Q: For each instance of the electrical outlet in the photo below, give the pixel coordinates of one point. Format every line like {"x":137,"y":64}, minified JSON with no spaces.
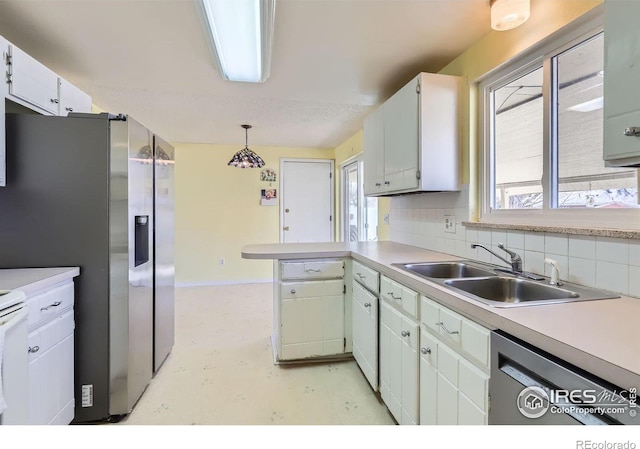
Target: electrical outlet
{"x":221,"y":261}
{"x":450,"y":224}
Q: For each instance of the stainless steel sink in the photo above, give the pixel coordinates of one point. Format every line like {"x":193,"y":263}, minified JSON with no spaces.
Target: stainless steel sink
{"x":497,"y":287}
{"x":503,"y":291}
{"x":446,"y":270}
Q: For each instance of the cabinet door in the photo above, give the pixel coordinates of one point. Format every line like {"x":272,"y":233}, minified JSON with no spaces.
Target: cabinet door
{"x":374,"y":152}
{"x":32,"y":82}
{"x":391,"y":359}
{"x":447,"y":402}
{"x":365,"y":333}
{"x":71,"y":98}
{"x":621,"y":94}
{"x":401,"y":138}
{"x":428,"y":379}
{"x":409,"y":388}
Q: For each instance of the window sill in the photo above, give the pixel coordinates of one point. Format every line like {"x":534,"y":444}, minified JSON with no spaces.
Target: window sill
{"x":599,"y":232}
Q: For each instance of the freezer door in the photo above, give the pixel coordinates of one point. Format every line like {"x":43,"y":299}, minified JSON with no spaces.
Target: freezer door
{"x":164,"y":265}
{"x":131,"y":281}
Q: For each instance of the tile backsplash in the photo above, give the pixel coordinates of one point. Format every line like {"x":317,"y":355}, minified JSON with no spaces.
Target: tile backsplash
{"x":602,"y":262}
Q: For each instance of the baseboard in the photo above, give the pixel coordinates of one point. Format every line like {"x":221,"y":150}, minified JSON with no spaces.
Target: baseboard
{"x":217,"y":283}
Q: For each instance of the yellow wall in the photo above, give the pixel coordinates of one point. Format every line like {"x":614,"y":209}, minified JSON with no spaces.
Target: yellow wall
{"x":493,"y":50}
{"x":218,"y":211}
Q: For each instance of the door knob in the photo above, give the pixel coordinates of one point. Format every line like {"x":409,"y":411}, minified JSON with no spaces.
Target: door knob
{"x":286,"y":228}
{"x":286,"y":210}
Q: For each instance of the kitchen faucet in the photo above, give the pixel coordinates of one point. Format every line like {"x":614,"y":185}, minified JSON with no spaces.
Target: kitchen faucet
{"x":515,"y":262}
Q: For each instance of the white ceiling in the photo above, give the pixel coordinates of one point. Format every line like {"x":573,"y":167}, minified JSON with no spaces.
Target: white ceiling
{"x":332,"y":61}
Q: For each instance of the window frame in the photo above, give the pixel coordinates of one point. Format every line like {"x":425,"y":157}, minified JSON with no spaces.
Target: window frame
{"x":541,"y":55}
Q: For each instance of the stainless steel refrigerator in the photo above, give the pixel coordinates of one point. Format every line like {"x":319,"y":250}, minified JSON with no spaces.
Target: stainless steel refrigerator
{"x":81,"y":192}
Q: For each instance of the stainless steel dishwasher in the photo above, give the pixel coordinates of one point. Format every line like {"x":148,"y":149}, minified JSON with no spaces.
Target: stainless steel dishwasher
{"x":529,"y":386}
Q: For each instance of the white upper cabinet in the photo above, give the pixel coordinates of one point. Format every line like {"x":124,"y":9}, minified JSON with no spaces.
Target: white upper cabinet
{"x":32,"y":82}
{"x":71,"y":98}
{"x":411,"y":142}
{"x":621,"y":94}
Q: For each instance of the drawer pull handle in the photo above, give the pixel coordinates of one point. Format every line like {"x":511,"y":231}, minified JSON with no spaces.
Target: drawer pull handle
{"x":361,"y":276}
{"x":633,"y":131}
{"x":55,"y":304}
{"x":311,"y":270}
{"x":34,"y":349}
{"x":293,"y":292}
{"x":399,"y":298}
{"x":425,"y":351}
{"x":69,"y":109}
{"x":367,"y":304}
{"x":405,"y":333}
{"x":441,"y":324}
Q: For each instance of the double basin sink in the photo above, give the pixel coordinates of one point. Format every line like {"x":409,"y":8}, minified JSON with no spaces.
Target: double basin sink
{"x":498,"y":287}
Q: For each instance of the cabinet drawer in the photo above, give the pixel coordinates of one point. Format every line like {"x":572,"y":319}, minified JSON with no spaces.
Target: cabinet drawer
{"x":402,"y":297}
{"x":366,"y":276}
{"x":448,"y":364}
{"x":48,"y":304}
{"x":311,"y":289}
{"x":475,"y":341}
{"x":319,"y":269}
{"x":449,"y":326}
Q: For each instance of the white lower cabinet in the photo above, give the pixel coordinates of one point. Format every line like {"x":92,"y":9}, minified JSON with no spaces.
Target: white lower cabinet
{"x":365,"y":332}
{"x":310,"y":310}
{"x":399,"y":364}
{"x":51,"y":356}
{"x":454,"y":368}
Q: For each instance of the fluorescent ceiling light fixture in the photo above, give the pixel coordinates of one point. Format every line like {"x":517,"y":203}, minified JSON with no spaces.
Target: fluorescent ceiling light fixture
{"x":508,"y":14}
{"x":241,"y":32}
{"x":588,"y":106}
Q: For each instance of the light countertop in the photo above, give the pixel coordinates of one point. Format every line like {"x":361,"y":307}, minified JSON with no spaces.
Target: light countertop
{"x":601,"y":337}
{"x":31,"y":280}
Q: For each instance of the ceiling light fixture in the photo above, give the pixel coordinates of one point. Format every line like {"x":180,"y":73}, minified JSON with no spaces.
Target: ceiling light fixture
{"x":241,"y":34}
{"x":246,"y":158}
{"x":508,"y":14}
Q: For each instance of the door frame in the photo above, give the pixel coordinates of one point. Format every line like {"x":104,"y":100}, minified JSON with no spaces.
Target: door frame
{"x":283,"y":160}
{"x":344,"y":200}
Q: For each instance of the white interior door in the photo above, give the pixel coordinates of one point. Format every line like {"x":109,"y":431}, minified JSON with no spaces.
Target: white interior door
{"x":306,"y":209}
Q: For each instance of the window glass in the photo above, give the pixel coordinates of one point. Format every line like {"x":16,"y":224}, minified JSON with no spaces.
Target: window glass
{"x":582,"y":179}
{"x":517,"y":142}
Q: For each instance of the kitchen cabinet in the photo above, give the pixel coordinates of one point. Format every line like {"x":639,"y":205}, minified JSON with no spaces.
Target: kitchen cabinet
{"x":365,"y":321}
{"x":411,"y":142}
{"x":309,"y":309}
{"x":621,"y":96}
{"x":454,"y":367}
{"x":72,"y":99}
{"x":51,"y":355}
{"x":399,"y":364}
{"x":32,"y":85}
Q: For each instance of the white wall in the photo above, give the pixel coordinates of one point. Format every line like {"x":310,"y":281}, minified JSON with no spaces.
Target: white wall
{"x":602,"y":262}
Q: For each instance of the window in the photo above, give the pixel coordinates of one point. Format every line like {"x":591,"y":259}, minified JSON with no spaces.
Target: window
{"x":543,"y":134}
{"x":359,"y":213}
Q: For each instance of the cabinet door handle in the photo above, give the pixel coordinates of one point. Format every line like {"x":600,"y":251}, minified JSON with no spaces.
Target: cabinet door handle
{"x":55,"y":304}
{"x":405,"y":333}
{"x":386,"y":183}
{"x":55,"y":100}
{"x":633,"y":131}
{"x":441,"y":324}
{"x":361,"y":276}
{"x":293,"y":292}
{"x":399,"y":298}
{"x":378,"y":184}
{"x":425,"y":351}
{"x":367,"y":304}
{"x":33,"y":349}
{"x":311,"y":270}
{"x":69,"y":109}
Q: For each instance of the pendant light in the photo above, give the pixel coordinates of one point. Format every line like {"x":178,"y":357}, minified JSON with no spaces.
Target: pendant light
{"x":246,"y":158}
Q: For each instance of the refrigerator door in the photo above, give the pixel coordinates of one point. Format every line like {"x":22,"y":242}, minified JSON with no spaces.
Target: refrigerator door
{"x":131,"y":256}
{"x":164,"y":265}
